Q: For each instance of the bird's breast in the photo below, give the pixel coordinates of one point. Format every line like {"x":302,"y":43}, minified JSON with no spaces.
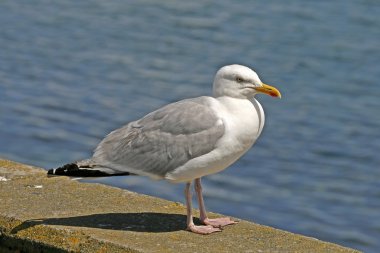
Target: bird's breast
{"x":243,"y":122}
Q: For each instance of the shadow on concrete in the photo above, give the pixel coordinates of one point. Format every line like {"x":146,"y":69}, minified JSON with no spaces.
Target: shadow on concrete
{"x":138,"y":222}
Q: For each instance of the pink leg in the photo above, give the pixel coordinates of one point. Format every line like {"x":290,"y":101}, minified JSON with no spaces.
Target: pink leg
{"x":204,"y":230}
{"x":218,"y":222}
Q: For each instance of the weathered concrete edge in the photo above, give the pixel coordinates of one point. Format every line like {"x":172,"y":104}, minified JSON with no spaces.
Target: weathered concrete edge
{"x":45,"y":238}
{"x":39,"y":240}
{"x":10,"y":242}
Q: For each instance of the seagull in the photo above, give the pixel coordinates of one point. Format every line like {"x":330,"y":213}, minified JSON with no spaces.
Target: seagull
{"x":186,"y":140}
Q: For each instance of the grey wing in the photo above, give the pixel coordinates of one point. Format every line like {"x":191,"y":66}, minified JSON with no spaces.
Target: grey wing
{"x":163,"y":140}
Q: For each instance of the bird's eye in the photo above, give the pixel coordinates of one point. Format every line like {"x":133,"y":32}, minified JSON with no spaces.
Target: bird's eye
{"x":239,"y":79}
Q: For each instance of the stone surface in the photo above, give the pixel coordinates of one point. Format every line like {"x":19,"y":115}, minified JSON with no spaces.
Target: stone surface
{"x":41,"y":214}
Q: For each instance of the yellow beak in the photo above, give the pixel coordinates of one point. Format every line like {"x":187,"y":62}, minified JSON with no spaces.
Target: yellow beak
{"x":269,"y":90}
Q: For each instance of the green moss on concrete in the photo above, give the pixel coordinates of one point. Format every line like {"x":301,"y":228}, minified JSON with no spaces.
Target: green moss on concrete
{"x":58,"y":213}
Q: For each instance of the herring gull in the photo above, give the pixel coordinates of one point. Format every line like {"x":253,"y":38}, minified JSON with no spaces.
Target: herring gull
{"x":186,"y":140}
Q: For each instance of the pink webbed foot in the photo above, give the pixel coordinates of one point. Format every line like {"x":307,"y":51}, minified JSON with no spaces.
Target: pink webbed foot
{"x":203,"y":230}
{"x":219,"y":222}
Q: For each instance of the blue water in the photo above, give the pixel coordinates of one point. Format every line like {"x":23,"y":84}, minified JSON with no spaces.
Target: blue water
{"x":71,"y":71}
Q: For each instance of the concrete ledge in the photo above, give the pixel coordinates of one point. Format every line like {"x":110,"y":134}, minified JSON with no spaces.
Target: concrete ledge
{"x":40,"y":214}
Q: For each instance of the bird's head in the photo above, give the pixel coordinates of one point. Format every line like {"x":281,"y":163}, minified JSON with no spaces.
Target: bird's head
{"x":240,"y":82}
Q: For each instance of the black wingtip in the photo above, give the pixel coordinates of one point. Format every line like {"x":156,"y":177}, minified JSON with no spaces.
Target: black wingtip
{"x":72,"y":170}
{"x":65,"y":170}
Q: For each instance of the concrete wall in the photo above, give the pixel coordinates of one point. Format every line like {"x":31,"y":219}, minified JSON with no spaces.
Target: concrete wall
{"x":40,"y":214}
